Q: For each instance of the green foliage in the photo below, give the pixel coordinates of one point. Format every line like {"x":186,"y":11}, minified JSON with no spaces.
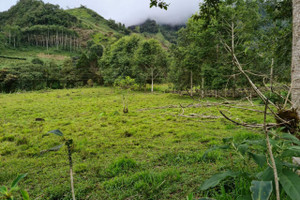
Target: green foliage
{"x":149,"y":26}
{"x":121,"y":166}
{"x":149,"y":184}
{"x":158,"y":140}
{"x":150,"y":62}
{"x":261,"y":190}
{"x":216,"y":179}
{"x":159,"y":3}
{"x":170,"y":32}
{"x":278,"y":99}
{"x":35,"y":12}
{"x":56,"y":132}
{"x":126,"y":84}
{"x":206,"y":47}
{"x":118,"y":26}
{"x":117,"y":62}
{"x":69,"y":144}
{"x":290,"y":182}
{"x":37,"y":61}
{"x":7,"y":193}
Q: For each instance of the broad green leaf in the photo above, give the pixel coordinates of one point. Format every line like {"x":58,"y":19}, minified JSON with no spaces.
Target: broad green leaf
{"x":290,"y":183}
{"x":247,"y":48}
{"x":3,"y":190}
{"x":16,"y":181}
{"x":57,"y":132}
{"x":290,"y":137}
{"x":266,"y":175}
{"x":259,"y":159}
{"x":243,"y":148}
{"x":56,"y":148}
{"x":25,"y":195}
{"x":227,"y":140}
{"x":216,"y":179}
{"x":190,"y":197}
{"x":290,"y":165}
{"x":261,"y":190}
{"x":261,"y":142}
{"x":273,"y":142}
{"x":292,"y":151}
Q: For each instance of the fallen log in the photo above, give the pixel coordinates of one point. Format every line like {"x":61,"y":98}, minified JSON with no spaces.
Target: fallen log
{"x":12,"y":58}
{"x":269,"y":125}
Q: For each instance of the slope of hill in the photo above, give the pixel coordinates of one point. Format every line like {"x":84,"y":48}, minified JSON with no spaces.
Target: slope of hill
{"x":34,"y":23}
{"x":28,"y":13}
{"x":92,"y":20}
{"x":165,"y":31}
{"x":32,"y":28}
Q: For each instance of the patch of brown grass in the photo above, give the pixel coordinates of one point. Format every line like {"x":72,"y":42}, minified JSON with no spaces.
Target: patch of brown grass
{"x":53,"y":57}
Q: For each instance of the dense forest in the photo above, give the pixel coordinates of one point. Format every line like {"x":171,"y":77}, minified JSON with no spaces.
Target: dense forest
{"x":198,"y":55}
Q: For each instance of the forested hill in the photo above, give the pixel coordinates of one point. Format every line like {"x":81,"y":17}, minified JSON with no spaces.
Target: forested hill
{"x":28,"y":13}
{"x":169,"y":32}
{"x":35,"y":23}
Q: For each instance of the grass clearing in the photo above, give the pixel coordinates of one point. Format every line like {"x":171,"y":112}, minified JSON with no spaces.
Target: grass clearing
{"x":144,"y":154}
{"x":58,"y":56}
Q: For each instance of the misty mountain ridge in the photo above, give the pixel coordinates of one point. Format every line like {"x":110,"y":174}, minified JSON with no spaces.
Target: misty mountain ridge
{"x":35,"y":16}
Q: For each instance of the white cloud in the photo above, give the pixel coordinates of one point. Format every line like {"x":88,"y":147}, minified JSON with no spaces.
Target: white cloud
{"x":129,"y":12}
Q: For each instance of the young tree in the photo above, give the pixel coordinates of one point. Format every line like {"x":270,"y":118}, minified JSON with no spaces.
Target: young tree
{"x":151,"y":61}
{"x":117,"y":60}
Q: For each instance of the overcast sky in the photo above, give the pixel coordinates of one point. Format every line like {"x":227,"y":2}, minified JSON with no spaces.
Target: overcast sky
{"x":129,"y":12}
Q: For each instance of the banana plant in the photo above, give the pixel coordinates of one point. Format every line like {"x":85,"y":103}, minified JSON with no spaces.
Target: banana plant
{"x":7,"y":193}
{"x":69,"y":144}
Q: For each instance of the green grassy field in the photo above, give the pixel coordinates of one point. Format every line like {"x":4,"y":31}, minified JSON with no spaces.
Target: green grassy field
{"x":29,"y":53}
{"x":144,"y":154}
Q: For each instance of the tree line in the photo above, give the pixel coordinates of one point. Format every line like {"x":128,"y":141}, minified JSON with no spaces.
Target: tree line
{"x":42,"y":35}
{"x":203,"y":56}
{"x":144,"y":60}
{"x":249,"y":30}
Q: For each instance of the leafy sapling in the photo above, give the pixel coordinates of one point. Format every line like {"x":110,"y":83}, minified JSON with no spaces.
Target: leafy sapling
{"x":125,"y":85}
{"x":7,"y":193}
{"x":69,"y":144}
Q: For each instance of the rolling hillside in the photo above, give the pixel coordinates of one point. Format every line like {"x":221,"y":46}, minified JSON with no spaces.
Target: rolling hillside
{"x":32,"y":29}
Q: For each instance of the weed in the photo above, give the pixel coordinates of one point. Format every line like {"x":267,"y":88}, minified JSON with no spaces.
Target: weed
{"x":8,"y":193}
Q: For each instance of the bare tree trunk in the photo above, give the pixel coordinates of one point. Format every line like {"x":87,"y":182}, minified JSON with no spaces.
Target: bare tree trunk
{"x":56,"y":40}
{"x":295,"y":73}
{"x":70,"y":43}
{"x":232,"y":54}
{"x":191,"y":83}
{"x":202,"y":87}
{"x":71,"y":169}
{"x":152,"y":79}
{"x":9,"y":37}
{"x":47,"y":40}
{"x":271,"y":75}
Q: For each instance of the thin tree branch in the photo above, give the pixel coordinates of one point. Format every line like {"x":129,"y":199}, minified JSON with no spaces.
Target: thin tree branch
{"x":271,"y":153}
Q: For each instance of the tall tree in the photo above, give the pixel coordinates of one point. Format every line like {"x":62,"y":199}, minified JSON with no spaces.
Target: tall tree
{"x":151,"y":61}
{"x":295,"y":74}
{"x":117,"y":60}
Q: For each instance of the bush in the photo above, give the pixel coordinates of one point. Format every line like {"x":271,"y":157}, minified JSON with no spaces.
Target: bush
{"x":37,"y":61}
